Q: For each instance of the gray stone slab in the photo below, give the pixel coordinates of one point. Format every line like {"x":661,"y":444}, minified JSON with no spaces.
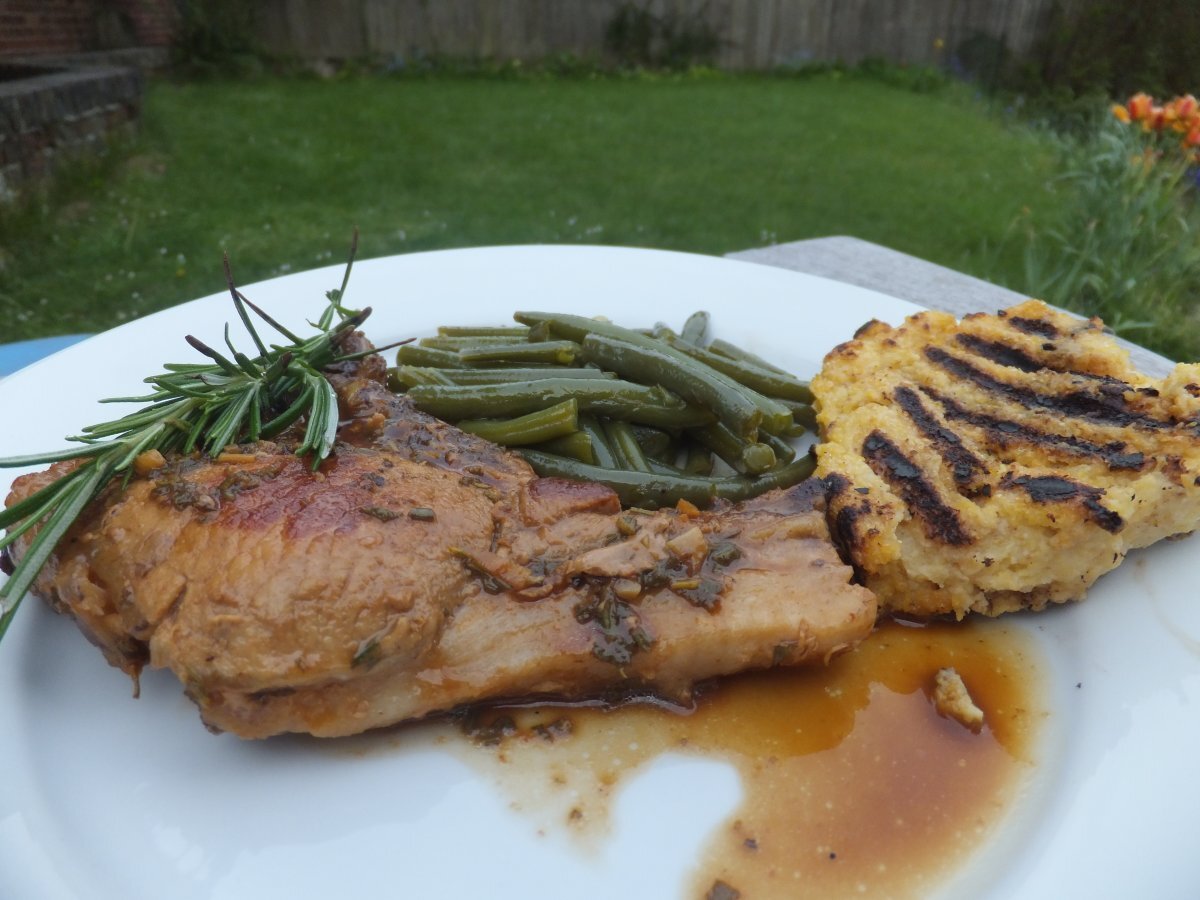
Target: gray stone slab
{"x":888,"y":271}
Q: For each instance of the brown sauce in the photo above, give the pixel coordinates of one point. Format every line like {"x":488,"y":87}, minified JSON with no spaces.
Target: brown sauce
{"x":852,"y":783}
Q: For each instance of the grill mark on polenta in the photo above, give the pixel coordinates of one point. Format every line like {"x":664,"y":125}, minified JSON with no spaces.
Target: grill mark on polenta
{"x":1033,"y":326}
{"x":941,"y":522}
{"x":1110,"y":409}
{"x":1001,"y":353}
{"x":963,"y":464}
{"x":1057,"y":489}
{"x":843,"y":523}
{"x":1005,"y":432}
{"x":1015,"y":358}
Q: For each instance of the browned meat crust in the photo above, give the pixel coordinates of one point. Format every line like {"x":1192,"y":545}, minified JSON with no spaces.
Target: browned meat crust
{"x":1003,"y":462}
{"x":422,"y":568}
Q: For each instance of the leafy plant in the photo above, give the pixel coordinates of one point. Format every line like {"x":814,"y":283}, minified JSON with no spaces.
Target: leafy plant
{"x":1127,"y":247}
{"x":1106,"y":47}
{"x":215,"y":37}
{"x":638,"y":38}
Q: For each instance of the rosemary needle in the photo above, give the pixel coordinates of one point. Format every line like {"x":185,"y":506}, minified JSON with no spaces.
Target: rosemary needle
{"x":191,"y":407}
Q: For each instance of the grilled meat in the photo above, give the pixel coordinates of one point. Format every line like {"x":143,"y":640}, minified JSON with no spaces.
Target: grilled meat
{"x":1003,"y":462}
{"x":422,"y":568}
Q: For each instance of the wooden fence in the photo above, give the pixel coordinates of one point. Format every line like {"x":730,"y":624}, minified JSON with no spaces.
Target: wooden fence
{"x":754,"y":34}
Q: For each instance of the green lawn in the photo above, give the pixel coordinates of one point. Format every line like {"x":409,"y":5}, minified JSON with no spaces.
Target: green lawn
{"x":279,"y":171}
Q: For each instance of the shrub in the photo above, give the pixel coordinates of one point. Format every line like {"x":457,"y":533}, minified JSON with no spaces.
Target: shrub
{"x":216,"y":37}
{"x":638,"y":38}
{"x":1127,"y":246}
{"x":1113,"y":47}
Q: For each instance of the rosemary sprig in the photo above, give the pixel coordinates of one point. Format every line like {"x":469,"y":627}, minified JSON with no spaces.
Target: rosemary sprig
{"x":192,"y":407}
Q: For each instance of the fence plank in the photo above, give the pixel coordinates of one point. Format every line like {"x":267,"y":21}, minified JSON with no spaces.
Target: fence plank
{"x":754,"y":34}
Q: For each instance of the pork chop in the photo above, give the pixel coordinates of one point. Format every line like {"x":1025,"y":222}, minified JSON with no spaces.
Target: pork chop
{"x":421,"y":568}
{"x":1001,"y":462}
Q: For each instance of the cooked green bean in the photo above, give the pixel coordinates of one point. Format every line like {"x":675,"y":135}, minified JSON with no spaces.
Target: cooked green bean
{"x":795,"y":430}
{"x":625,"y":417}
{"x":464,"y":342}
{"x":655,"y":442}
{"x":416,"y":355}
{"x":784,"y":451}
{"x":513,"y":332}
{"x":601,"y":450}
{"x":695,"y":329}
{"x":739,"y":407}
{"x":497,"y":376}
{"x":401,"y":378}
{"x":804,"y":415}
{"x":657,"y":364}
{"x":618,"y":399}
{"x":642,"y":489}
{"x":664,"y":488}
{"x":533,"y":428}
{"x":758,"y":458}
{"x":766,"y":382}
{"x":561,"y":353}
{"x":743,"y":488}
{"x":698,"y":459}
{"x":577,"y":445}
{"x":744,"y":456}
{"x":733,"y":351}
{"x":625,"y":445}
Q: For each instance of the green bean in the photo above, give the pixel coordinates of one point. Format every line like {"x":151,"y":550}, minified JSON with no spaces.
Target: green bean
{"x":625,"y":445}
{"x":496,"y":376}
{"x":784,"y":451}
{"x":658,"y":364}
{"x":695,"y":329}
{"x":562,"y":353}
{"x":577,"y":445}
{"x":618,"y":399}
{"x":766,"y":382}
{"x":743,"y":488}
{"x":655,"y":442}
{"x":664,"y":487}
{"x":601,"y":450}
{"x":744,"y":456}
{"x":758,"y":458}
{"x":795,"y":430}
{"x":401,"y":378}
{"x":416,"y":355}
{"x":733,"y":351}
{"x":642,"y":489}
{"x":464,"y":342}
{"x":698,"y":459}
{"x":804,"y":415}
{"x":533,"y":428}
{"x":691,"y":380}
{"x":513,"y":332}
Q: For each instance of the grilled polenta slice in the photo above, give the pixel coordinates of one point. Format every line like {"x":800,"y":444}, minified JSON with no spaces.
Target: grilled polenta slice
{"x":1002,"y":462}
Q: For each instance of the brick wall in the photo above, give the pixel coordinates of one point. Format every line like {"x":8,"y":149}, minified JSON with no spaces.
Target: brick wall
{"x":59,"y":114}
{"x":30,"y":28}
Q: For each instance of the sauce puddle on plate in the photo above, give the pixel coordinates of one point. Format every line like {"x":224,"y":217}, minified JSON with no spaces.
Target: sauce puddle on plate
{"x":852,"y":783}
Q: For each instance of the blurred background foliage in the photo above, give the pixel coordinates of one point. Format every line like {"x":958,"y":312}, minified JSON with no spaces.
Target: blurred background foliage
{"x":1008,"y":165}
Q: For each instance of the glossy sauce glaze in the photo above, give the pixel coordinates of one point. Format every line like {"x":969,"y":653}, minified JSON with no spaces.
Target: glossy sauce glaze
{"x":852,"y":782}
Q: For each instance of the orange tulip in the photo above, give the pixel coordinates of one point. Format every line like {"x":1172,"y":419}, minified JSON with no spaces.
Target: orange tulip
{"x":1140,"y":107}
{"x":1121,"y":113}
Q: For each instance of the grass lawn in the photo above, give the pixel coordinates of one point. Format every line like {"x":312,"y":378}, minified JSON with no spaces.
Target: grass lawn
{"x":279,"y":171}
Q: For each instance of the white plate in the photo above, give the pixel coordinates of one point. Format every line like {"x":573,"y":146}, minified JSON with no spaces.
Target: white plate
{"x":102,"y":796}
